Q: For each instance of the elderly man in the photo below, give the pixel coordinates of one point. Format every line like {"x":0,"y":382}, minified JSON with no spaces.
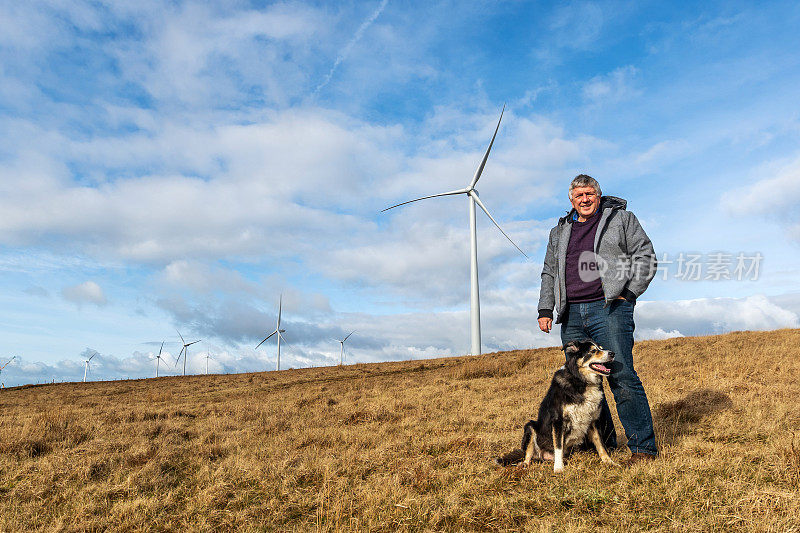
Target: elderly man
{"x":598,"y":261}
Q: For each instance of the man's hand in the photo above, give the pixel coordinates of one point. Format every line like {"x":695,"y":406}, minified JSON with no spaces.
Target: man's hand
{"x":545,"y":324}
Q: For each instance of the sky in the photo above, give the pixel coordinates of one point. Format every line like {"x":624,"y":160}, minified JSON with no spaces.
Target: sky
{"x":181,"y":166}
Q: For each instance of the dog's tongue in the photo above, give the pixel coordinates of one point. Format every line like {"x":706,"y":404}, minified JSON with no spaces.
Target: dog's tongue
{"x":602,"y":367}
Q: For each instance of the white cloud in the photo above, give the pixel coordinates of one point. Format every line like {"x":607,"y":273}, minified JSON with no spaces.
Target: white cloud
{"x":252,"y":206}
{"x":426,"y":261}
{"x":38,"y":291}
{"x":659,"y":153}
{"x":770,"y":197}
{"x":577,"y":24}
{"x":203,"y":278}
{"x":613,"y":87}
{"x":294,"y":184}
{"x":769,"y":194}
{"x":656,"y":334}
{"x":200,"y":54}
{"x":715,"y":315}
{"x":86,"y":292}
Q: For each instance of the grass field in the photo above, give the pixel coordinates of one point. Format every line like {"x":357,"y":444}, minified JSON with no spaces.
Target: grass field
{"x":405,"y":446}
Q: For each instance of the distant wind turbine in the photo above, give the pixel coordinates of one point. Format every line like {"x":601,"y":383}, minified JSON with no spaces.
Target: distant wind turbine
{"x":7,"y":362}
{"x":184,"y":351}
{"x":208,"y":356}
{"x":159,"y":357}
{"x":279,"y":331}
{"x":341,"y":356}
{"x":475,"y":305}
{"x":86,"y":368}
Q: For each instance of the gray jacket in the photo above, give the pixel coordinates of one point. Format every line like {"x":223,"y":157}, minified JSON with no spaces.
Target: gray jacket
{"x":624,"y":253}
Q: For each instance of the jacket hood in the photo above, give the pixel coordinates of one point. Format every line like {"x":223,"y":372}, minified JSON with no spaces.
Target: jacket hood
{"x":606,"y":202}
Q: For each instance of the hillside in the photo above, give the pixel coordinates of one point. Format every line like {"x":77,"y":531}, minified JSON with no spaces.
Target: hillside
{"x":405,"y":446}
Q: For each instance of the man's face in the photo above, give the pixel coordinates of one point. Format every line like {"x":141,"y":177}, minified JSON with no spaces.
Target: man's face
{"x":585,"y":201}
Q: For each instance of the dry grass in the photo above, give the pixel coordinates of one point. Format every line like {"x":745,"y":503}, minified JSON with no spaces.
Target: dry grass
{"x":405,"y":446}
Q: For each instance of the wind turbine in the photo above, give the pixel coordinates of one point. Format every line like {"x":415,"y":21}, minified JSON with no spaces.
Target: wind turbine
{"x":86,"y":368}
{"x":474,"y":299}
{"x":184,"y":351}
{"x":7,"y":362}
{"x":159,"y":357}
{"x":341,"y":356}
{"x":208,"y":356}
{"x":279,"y":331}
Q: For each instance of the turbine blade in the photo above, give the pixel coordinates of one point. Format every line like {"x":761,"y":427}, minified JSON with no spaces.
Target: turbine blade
{"x":280,"y":307}
{"x":160,"y":349}
{"x":265,"y":340}
{"x":284,"y":339}
{"x":195,"y":342}
{"x":92,"y":357}
{"x":348,"y":336}
{"x":486,"y":155}
{"x":480,"y":204}
{"x":449,"y":193}
{"x":181,"y":336}
{"x":179,"y":355}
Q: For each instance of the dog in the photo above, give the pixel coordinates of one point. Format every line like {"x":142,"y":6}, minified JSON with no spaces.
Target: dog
{"x":569,"y":411}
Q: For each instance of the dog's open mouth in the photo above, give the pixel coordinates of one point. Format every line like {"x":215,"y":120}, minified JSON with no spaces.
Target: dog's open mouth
{"x":600,"y":368}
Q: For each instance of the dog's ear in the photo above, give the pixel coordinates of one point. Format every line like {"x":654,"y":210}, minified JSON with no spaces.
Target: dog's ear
{"x":571,"y":347}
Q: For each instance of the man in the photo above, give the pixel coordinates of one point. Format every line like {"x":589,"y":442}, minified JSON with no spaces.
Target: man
{"x":598,"y":261}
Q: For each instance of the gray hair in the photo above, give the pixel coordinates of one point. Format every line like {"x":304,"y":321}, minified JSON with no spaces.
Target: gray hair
{"x":583,"y":180}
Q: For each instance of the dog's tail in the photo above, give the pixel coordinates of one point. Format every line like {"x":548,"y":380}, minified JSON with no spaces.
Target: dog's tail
{"x":518,"y":455}
{"x":513,"y":457}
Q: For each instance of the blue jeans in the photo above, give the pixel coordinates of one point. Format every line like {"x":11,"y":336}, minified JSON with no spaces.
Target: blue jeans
{"x":612,"y":328}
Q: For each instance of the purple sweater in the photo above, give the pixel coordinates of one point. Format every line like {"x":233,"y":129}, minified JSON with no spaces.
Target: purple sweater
{"x":582,"y":281}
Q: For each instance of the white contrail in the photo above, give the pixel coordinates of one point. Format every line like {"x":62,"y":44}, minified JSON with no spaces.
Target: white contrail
{"x":349,"y":46}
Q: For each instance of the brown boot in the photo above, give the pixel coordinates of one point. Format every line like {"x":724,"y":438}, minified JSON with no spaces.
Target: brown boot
{"x":637,"y":458}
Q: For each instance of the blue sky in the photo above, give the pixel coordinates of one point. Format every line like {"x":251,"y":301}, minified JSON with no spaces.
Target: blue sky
{"x":173,"y":165}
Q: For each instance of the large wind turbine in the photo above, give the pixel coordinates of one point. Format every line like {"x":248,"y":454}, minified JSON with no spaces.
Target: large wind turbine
{"x":184,"y":351}
{"x":279,"y":331}
{"x":159,"y":357}
{"x":475,"y":305}
{"x":341,"y":356}
{"x":86,"y":368}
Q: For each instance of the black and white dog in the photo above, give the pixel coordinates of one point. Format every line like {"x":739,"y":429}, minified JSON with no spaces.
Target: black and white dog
{"x":569,"y":411}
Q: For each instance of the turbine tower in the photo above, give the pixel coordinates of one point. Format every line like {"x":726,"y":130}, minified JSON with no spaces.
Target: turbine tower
{"x":159,"y":357}
{"x":341,"y":356}
{"x":184,"y":351}
{"x":279,"y":331}
{"x":472,"y":194}
{"x":7,"y":362}
{"x":86,"y":368}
